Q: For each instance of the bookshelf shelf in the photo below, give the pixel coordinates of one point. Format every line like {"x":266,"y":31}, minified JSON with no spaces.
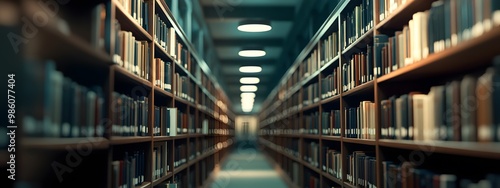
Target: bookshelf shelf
{"x":163,"y":138}
{"x":311,"y":167}
{"x":452,"y":60}
{"x":349,"y":185}
{"x":310,"y":136}
{"x":162,"y":92}
{"x":330,"y":177}
{"x":79,"y":55}
{"x":472,"y":149}
{"x":161,"y":53}
{"x":116,"y":140}
{"x":331,"y":138}
{"x":162,"y":179}
{"x":311,"y":107}
{"x":369,"y":142}
{"x":143,"y":185}
{"x":335,"y":98}
{"x":124,"y":76}
{"x":129,"y":24}
{"x":382,"y":98}
{"x":363,"y":88}
{"x":402,"y":14}
{"x":70,"y":49}
{"x":63,"y":143}
{"x":361,"y":42}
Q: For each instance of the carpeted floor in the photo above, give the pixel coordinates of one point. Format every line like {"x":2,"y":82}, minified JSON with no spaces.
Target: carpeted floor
{"x":247,"y":167}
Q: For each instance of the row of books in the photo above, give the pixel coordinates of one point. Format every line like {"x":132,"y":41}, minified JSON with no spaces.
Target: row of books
{"x":407,"y":175}
{"x":446,"y":24}
{"x":387,"y":7}
{"x":330,"y":123}
{"x":138,"y":10}
{"x":332,"y":163}
{"x":130,"y":115}
{"x":311,"y":180}
{"x":310,"y":95}
{"x":163,"y":74}
{"x":180,"y":155}
{"x":355,"y":23}
{"x":165,"y":35}
{"x":358,"y":70}
{"x":311,"y":64}
{"x":185,"y":88}
{"x":360,"y":121}
{"x":311,"y":123}
{"x":362,"y":170}
{"x":63,"y":108}
{"x":328,"y":48}
{"x":461,"y":110}
{"x":330,"y":85}
{"x":160,"y":161}
{"x":134,"y":54}
{"x":311,"y":153}
{"x":130,"y":171}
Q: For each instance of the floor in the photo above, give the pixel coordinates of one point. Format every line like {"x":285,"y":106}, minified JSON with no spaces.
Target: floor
{"x":247,"y":167}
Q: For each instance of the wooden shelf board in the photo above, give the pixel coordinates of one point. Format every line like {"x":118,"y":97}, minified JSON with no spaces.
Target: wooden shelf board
{"x":124,"y":75}
{"x":306,"y":164}
{"x":128,"y":23}
{"x":311,"y":78}
{"x":162,"y":138}
{"x":62,"y":143}
{"x":184,"y":102}
{"x":471,"y":149}
{"x":289,"y":135}
{"x":69,"y":50}
{"x":310,"y":107}
{"x":329,"y":63}
{"x":370,"y":142}
{"x":181,"y":168}
{"x":162,"y":179}
{"x":468,"y":55}
{"x":163,"y":92}
{"x":330,"y":177}
{"x":162,"y":54}
{"x":331,"y":138}
{"x":143,"y":185}
{"x":359,"y":42}
{"x":363,"y":88}
{"x":346,"y":184}
{"x":180,"y":136}
{"x":119,"y":140}
{"x":403,"y":14}
{"x":334,"y":98}
{"x":310,"y":136}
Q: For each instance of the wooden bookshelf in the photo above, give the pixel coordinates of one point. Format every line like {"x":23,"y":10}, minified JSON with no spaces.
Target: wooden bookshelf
{"x":468,"y":57}
{"x":75,"y":54}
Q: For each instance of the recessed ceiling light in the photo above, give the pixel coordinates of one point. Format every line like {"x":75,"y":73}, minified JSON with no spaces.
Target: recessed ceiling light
{"x":250,"y":69}
{"x":249,"y":80}
{"x":248,"y":88}
{"x":254,"y":26}
{"x":247,"y":95}
{"x":247,"y":100}
{"x":252,"y":53}
{"x":247,"y":110}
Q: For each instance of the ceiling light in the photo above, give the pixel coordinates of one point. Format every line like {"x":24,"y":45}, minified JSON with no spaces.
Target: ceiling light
{"x":248,"y":88}
{"x":252,"y":53}
{"x":254,"y":26}
{"x":247,"y":95}
{"x":247,"y":110}
{"x":249,"y":80}
{"x":247,"y":100}
{"x":250,"y":69}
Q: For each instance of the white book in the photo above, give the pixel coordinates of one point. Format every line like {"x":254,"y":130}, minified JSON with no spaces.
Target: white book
{"x":419,"y":107}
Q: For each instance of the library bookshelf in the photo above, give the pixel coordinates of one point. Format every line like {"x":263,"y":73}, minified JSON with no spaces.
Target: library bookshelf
{"x":110,"y":99}
{"x":342,"y":114}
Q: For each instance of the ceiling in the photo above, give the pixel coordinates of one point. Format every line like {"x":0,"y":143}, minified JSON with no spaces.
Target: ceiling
{"x":222,"y":18}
